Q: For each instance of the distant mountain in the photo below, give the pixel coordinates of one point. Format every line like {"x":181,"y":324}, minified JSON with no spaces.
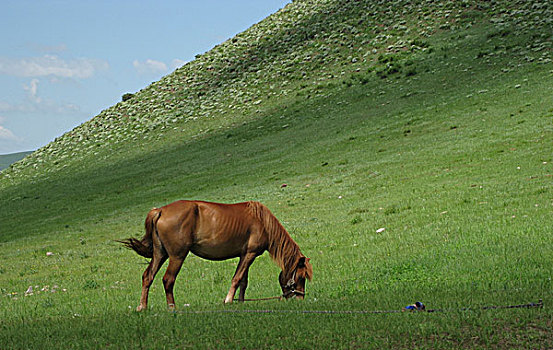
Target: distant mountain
{"x":7,"y":159}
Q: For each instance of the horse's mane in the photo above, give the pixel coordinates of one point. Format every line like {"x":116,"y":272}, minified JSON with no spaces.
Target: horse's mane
{"x":282,"y":248}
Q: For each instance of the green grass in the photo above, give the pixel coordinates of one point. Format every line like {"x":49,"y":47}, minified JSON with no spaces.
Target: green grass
{"x":450,"y":153}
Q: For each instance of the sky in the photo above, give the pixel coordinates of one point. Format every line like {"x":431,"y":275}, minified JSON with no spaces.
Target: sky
{"x":64,"y":61}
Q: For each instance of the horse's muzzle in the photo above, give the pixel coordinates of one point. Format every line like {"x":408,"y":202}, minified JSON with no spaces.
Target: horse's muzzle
{"x":293,"y":294}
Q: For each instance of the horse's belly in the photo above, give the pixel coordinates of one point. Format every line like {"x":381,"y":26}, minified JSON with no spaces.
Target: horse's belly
{"x":218,"y":246}
{"x":216,"y":252}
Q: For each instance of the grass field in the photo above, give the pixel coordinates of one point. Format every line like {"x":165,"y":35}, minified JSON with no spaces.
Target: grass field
{"x":447,"y":147}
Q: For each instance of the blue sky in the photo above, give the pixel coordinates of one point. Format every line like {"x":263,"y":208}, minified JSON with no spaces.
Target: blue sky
{"x":62,"y":62}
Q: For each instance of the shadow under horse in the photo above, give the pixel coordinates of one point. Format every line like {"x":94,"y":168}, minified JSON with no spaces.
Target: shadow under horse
{"x":216,"y":231}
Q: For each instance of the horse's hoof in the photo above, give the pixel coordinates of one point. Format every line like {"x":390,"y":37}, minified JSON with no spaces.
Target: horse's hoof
{"x":140,"y":308}
{"x":171,"y":307}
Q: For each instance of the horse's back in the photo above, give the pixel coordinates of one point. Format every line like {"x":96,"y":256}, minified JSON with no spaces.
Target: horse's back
{"x":210,"y":230}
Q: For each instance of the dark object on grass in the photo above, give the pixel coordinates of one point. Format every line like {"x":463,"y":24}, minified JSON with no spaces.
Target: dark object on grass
{"x":418,"y":306}
{"x":127,"y":96}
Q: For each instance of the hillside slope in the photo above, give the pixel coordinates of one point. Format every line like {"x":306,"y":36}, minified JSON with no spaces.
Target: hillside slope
{"x":431,"y":121}
{"x":308,"y":46}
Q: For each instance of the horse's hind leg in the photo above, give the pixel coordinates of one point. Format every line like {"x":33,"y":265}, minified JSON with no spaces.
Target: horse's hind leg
{"x":148,"y":277}
{"x":175,"y":263}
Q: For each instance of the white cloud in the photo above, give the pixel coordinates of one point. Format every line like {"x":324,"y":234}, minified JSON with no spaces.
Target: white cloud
{"x":149,"y":67}
{"x":51,"y":65}
{"x":177,"y":63}
{"x":33,"y":88}
{"x":7,"y":135}
{"x":153,"y":67}
{"x":34,"y":103}
{"x":8,"y":140}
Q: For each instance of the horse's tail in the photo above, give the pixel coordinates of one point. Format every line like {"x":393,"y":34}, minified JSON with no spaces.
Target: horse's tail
{"x":144,"y":247}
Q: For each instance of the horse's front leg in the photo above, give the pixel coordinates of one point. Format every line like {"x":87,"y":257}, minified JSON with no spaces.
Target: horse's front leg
{"x":241,"y":271}
{"x":243,"y":285}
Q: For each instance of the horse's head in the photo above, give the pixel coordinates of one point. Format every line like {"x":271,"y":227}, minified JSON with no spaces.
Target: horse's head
{"x":293,"y":282}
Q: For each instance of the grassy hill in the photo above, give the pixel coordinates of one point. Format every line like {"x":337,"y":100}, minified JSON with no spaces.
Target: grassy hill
{"x":8,"y":159}
{"x":432,"y":121}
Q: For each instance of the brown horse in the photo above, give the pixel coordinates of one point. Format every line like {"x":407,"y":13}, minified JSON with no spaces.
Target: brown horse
{"x":217,"y":231}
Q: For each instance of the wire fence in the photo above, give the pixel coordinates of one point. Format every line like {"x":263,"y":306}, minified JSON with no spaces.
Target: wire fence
{"x":538,"y":305}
